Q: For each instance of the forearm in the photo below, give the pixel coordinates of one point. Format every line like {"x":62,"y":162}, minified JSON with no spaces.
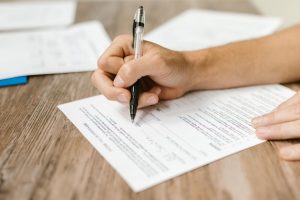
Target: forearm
{"x":271,"y":59}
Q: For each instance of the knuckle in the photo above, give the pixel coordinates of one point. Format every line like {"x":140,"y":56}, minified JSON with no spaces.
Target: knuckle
{"x":117,"y":38}
{"x":121,"y":38}
{"x":102,"y":62}
{"x":109,"y":95}
{"x":128,"y":58}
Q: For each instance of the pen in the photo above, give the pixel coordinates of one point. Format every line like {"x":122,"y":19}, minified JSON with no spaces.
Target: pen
{"x":137,"y":31}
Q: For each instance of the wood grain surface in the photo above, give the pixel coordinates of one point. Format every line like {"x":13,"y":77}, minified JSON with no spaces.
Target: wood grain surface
{"x":43,"y":156}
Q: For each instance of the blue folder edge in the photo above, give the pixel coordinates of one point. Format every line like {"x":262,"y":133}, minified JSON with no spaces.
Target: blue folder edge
{"x":13,"y":81}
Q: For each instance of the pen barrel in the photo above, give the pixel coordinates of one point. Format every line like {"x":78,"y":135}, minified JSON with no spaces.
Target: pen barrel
{"x":135,"y":92}
{"x":138,"y":31}
{"x":138,"y":42}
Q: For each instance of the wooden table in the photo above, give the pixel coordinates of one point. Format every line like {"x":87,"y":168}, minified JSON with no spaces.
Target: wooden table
{"x":43,"y":156}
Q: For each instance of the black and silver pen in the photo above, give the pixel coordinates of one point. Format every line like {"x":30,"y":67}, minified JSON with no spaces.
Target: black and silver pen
{"x":138,"y":31}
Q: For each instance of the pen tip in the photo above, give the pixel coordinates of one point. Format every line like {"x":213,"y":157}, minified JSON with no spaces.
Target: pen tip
{"x":132,"y":117}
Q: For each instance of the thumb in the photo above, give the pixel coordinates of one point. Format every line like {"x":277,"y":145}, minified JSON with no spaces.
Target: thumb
{"x":133,"y":70}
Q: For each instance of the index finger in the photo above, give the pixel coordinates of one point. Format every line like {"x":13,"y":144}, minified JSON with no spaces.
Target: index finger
{"x":284,"y":114}
{"x":120,"y":47}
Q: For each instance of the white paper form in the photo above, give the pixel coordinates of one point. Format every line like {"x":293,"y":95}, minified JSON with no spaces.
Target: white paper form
{"x":196,"y":29}
{"x":175,"y":136}
{"x":28,"y":15}
{"x":74,"y":49}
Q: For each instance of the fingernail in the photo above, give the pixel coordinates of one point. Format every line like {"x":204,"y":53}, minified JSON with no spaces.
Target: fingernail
{"x":123,"y":98}
{"x":286,"y":152}
{"x":152,"y":100}
{"x":118,"y":82}
{"x":257,"y":121}
{"x":263,"y":132}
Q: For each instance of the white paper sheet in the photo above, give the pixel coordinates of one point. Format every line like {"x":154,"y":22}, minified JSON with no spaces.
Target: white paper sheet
{"x":196,"y":29}
{"x":27,"y":15}
{"x":74,"y":49}
{"x":175,"y":136}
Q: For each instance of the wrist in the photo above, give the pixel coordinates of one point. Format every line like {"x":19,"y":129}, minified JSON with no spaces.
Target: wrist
{"x":198,"y":65}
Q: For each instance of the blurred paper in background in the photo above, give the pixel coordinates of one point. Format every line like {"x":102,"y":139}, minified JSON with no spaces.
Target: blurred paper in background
{"x":197,"y":29}
{"x":73,"y":49}
{"x":27,"y":15}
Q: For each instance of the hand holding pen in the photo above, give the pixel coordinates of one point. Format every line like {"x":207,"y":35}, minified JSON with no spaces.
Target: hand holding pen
{"x":162,"y":73}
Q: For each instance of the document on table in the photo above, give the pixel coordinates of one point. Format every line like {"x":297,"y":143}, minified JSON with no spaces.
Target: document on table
{"x":175,"y":136}
{"x":196,"y":29}
{"x":74,"y":49}
{"x":27,"y":15}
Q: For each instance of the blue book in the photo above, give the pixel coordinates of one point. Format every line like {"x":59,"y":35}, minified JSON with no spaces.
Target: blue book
{"x":14,"y":81}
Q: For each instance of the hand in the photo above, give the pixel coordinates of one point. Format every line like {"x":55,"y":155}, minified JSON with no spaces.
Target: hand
{"x":282,"y":123}
{"x":165,"y":74}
